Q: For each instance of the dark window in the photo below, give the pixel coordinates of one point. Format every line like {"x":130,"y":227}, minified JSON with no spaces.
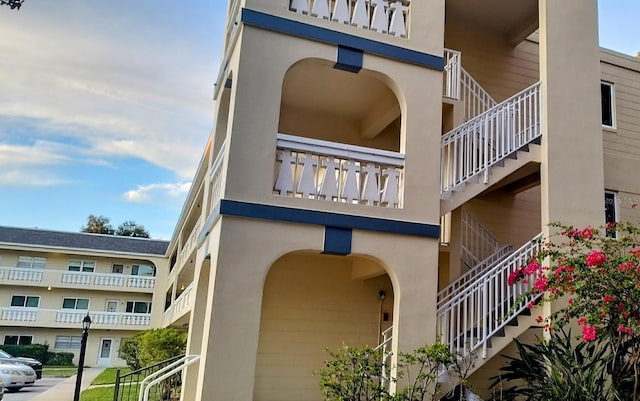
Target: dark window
{"x":608,"y":113}
{"x":610,"y":212}
{"x":18,"y":340}
{"x":138,"y":307}
{"x":25,"y":301}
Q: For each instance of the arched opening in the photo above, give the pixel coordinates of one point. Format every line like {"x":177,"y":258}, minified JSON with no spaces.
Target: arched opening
{"x":312,"y":302}
{"x":321,"y":102}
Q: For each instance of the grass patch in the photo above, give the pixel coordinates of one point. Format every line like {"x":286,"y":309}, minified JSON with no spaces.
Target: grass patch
{"x":97,"y":394}
{"x":59,"y":372}
{"x":108,"y":376}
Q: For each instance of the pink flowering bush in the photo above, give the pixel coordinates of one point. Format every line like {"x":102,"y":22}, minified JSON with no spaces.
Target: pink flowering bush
{"x":598,"y":279}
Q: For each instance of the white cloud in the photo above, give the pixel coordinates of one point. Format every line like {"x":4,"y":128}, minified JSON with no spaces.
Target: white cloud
{"x":119,"y":91}
{"x":30,"y":178}
{"x":159,"y":191}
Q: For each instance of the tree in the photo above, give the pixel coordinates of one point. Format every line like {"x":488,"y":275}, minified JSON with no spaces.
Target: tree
{"x":130,"y":229}
{"x":598,"y":277}
{"x":98,"y":225}
{"x":12,"y":3}
{"x":152,"y":346}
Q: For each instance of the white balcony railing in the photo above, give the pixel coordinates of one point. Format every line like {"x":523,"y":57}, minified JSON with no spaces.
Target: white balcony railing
{"x":180,"y":305}
{"x":314,"y":169}
{"x":384,"y":16}
{"x":215,"y":179}
{"x":477,"y":243}
{"x":484,"y":141}
{"x":190,"y":243}
{"x":70,"y":279}
{"x":70,"y":317}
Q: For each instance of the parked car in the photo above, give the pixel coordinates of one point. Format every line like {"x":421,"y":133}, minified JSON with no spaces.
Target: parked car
{"x":16,"y":376}
{"x":35,"y":364}
{"x":1,"y":389}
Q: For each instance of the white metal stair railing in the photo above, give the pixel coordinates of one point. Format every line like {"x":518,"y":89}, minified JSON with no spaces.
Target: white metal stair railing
{"x":385,"y":346}
{"x":452,"y":289}
{"x":487,"y":139}
{"x":475,"y":99}
{"x":460,"y":85}
{"x":487,"y":304}
{"x":477,"y":243}
{"x":160,"y":375}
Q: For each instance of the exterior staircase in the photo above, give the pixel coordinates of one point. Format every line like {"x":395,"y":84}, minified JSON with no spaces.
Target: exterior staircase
{"x":498,"y":143}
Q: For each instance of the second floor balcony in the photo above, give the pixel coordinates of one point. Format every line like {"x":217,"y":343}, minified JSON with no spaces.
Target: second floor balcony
{"x":179,"y":307}
{"x":64,"y":318}
{"x":72,"y":279}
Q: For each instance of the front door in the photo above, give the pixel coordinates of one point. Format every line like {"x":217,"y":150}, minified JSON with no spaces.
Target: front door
{"x":104,"y":355}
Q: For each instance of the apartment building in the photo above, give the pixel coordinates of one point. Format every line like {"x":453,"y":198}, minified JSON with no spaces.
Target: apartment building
{"x":49,"y":281}
{"x":376,"y":170}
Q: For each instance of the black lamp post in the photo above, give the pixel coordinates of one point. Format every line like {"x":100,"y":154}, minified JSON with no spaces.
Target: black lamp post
{"x":86,"y":324}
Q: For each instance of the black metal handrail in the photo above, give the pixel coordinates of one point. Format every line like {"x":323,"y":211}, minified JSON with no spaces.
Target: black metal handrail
{"x":127,"y":387}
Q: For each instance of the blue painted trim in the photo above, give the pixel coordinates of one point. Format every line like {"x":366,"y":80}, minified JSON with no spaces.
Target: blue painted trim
{"x":300,"y":29}
{"x":337,"y":241}
{"x":350,"y":60}
{"x":280,"y":213}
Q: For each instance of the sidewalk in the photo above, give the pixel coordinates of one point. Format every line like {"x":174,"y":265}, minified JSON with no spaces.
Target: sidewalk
{"x":65,"y":389}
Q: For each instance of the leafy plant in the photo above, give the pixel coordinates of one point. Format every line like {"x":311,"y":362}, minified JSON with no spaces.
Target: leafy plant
{"x":152,"y":346}
{"x":557,"y":369}
{"x":419,"y":370}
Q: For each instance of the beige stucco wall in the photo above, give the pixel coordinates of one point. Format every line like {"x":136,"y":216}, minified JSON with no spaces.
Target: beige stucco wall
{"x":255,"y":110}
{"x":310,"y":303}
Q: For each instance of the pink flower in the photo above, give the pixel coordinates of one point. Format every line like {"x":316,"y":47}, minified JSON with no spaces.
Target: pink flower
{"x":570,"y":301}
{"x":635,"y":252}
{"x":582,"y":321}
{"x":532,"y":267}
{"x":539,"y":319}
{"x":625,"y":330}
{"x":625,"y":266}
{"x":541,"y":283}
{"x":608,"y":298}
{"x":588,"y":333}
{"x":514,"y":276}
{"x":596,"y":258}
{"x":587,"y":233}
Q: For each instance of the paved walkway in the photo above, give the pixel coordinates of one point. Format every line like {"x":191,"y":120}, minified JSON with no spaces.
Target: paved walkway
{"x":65,"y":389}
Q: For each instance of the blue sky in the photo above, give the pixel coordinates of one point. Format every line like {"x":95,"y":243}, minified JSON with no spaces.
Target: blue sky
{"x":105,"y":108}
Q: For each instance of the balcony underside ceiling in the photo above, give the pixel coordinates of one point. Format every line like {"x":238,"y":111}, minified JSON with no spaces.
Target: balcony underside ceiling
{"x":514,"y":20}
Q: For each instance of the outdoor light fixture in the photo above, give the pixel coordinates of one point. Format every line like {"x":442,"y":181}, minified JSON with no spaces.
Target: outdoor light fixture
{"x":382,"y":294}
{"x":12,"y":3}
{"x":86,"y":324}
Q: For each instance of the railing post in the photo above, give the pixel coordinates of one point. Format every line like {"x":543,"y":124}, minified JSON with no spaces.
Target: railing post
{"x":485,"y":312}
{"x":116,"y":390}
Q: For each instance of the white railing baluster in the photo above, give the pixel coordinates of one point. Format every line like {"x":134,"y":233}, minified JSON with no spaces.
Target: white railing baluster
{"x":338,"y":172}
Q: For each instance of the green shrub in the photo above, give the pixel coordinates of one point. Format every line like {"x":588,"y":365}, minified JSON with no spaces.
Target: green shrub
{"x":35,"y":351}
{"x":152,"y":346}
{"x":59,"y":358}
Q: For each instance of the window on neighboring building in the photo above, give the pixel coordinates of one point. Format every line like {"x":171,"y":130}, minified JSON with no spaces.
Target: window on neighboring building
{"x":117,"y":268}
{"x":17,"y":340}
{"x":608,"y":104}
{"x":143,"y":270}
{"x":68,"y":342}
{"x":25,"y":301}
{"x":138,"y":307}
{"x":31,"y":262}
{"x":611,"y":211}
{"x":75,"y":303}
{"x":82,"y":266}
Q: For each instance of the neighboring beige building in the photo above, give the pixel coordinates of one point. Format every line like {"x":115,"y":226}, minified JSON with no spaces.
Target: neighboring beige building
{"x":50,"y":280}
{"x":381,"y":166}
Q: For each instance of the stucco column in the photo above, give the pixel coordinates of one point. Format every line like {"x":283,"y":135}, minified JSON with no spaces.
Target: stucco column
{"x":572,"y":175}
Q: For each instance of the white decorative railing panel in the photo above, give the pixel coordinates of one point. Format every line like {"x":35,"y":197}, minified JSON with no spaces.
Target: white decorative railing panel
{"x":182,"y":304}
{"x":20,"y":274}
{"x":190,"y":243}
{"x":215,"y":179}
{"x":385,"y":16}
{"x":314,"y":169}
{"x":480,"y":143}
{"x":19,"y":314}
{"x":487,"y":304}
{"x":476,"y":100}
